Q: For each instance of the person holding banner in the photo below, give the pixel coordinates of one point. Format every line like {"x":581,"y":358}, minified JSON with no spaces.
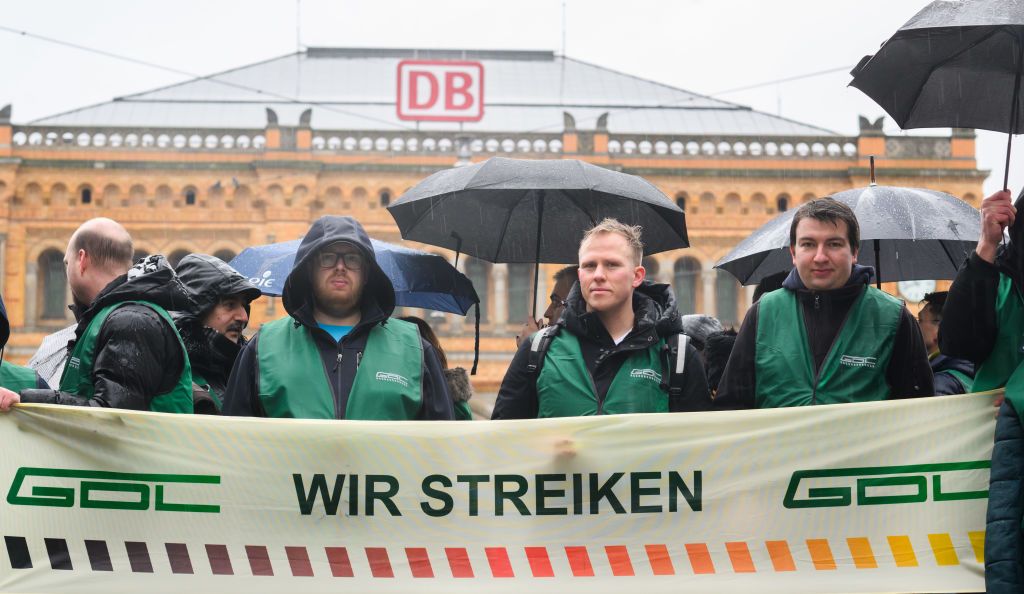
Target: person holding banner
{"x":617,"y":348}
{"x":212,"y":328}
{"x":983,"y":321}
{"x":827,"y":336}
{"x":338,"y":355}
{"x":127,"y":352}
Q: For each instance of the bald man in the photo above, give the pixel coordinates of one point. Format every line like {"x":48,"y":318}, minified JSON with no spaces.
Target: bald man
{"x":127,"y":352}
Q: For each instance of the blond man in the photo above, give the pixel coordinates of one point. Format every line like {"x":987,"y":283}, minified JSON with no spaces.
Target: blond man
{"x":618,"y":347}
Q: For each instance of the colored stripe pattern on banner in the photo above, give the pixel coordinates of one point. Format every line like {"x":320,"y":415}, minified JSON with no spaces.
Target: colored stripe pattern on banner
{"x":300,"y":561}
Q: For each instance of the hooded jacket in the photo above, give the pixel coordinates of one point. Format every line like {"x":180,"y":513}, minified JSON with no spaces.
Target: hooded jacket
{"x":138,"y":354}
{"x":656,"y":317}
{"x":824,"y":312}
{"x":211,"y":354}
{"x":340,"y":359}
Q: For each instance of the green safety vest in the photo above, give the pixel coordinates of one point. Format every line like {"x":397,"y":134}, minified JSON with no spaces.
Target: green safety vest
{"x":77,"y":376}
{"x":387,"y":386}
{"x":17,"y":378}
{"x":965,"y":380}
{"x":566,"y":389}
{"x":854,"y":369}
{"x":1008,"y":351}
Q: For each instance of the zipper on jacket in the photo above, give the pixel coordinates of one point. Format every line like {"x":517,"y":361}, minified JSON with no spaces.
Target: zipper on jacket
{"x":828,"y":353}
{"x":337,"y":363}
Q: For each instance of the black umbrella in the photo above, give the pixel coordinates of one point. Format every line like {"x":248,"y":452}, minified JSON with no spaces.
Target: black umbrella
{"x":517,"y":210}
{"x":955,"y":64}
{"x":906,"y":233}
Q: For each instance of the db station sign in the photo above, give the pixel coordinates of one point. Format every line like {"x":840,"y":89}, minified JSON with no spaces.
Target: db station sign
{"x":440,"y":91}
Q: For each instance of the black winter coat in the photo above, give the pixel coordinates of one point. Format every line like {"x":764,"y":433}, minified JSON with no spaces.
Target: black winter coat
{"x":340,"y":359}
{"x":138,"y":355}
{"x":824,"y":312}
{"x":656,"y":317}
{"x":1004,"y":548}
{"x":946,"y":383}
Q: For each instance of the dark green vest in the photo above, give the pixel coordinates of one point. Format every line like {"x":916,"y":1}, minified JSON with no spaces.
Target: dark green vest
{"x":387,"y":386}
{"x":1008,"y":351}
{"x":854,"y":369}
{"x":566,"y":389}
{"x":17,"y":378}
{"x":77,"y":377}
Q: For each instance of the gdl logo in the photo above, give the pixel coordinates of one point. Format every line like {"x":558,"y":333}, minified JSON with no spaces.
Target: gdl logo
{"x":97,"y":489}
{"x":881,"y":485}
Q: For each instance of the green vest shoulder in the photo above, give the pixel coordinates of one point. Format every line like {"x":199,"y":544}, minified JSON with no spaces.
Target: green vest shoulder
{"x":77,"y":376}
{"x":294,"y":383}
{"x":17,"y":378}
{"x":565,"y":387}
{"x":1003,"y":367}
{"x":854,"y":369}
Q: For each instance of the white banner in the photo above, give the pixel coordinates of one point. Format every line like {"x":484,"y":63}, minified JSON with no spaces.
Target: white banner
{"x":876,"y":497}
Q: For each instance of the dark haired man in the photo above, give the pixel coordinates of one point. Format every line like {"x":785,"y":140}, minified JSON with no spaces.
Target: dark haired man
{"x":338,"y":354}
{"x":564,"y":280}
{"x":212,"y":328}
{"x":952,"y":375}
{"x":827,"y":336}
{"x":126,"y":353}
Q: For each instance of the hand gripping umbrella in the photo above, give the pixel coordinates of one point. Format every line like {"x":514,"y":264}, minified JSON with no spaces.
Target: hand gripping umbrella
{"x":518,"y":210}
{"x":907,"y":233}
{"x":954,"y":64}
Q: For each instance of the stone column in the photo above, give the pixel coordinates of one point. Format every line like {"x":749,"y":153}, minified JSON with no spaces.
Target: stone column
{"x":708,"y":281}
{"x":31,"y":290}
{"x":499,"y":272}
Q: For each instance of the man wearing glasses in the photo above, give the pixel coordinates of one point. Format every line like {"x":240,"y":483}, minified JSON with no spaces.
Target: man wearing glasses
{"x":338,"y":354}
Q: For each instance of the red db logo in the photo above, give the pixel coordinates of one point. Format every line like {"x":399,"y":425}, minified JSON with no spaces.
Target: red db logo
{"x":440,"y":91}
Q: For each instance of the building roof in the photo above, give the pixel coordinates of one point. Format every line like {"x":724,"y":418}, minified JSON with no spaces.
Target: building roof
{"x":355,"y":89}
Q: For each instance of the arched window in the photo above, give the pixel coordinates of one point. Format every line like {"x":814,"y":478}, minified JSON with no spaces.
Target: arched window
{"x":176,"y":257}
{"x":225,"y":255}
{"x":86,"y":195}
{"x":685,"y":279}
{"x":782,"y":203}
{"x":726,"y":300}
{"x":520,"y":291}
{"x":53,"y":278}
{"x":652,"y":267}
{"x":681,"y":201}
{"x":385,"y":197}
{"x":190,"y":196}
{"x":479,"y":273}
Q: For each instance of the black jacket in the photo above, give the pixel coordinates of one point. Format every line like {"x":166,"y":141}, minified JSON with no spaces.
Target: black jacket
{"x":968,"y":328}
{"x":208,"y":281}
{"x":945,"y":382}
{"x":1004,"y":545}
{"x":377,"y":304}
{"x":656,"y":317}
{"x":824,"y":312}
{"x":138,"y":355}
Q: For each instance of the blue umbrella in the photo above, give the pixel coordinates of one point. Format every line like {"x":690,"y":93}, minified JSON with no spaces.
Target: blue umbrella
{"x":421,"y":279}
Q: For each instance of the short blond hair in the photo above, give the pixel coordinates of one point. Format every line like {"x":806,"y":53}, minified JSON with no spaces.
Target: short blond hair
{"x":630,"y":232}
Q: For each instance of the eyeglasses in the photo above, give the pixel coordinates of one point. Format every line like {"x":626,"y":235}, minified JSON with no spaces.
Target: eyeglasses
{"x":353,"y":260}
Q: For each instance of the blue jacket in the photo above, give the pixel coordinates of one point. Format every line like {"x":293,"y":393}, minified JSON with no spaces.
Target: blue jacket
{"x":1004,"y":540}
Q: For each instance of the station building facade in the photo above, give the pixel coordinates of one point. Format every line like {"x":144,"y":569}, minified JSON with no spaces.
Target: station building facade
{"x":253,"y":155}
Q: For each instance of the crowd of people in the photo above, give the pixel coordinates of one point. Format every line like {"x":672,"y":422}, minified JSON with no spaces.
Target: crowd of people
{"x":150,"y":337}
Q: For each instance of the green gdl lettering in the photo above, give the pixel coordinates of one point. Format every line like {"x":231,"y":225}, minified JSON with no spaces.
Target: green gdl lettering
{"x":913,"y":479}
{"x":144,"y":489}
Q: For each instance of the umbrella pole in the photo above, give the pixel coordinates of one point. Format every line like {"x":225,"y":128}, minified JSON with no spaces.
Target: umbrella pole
{"x":878,"y":265}
{"x":1013,"y":113}
{"x":536,"y":267}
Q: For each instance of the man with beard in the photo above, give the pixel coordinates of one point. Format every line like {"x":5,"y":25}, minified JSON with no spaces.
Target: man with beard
{"x":615,"y":349}
{"x":212,"y":329}
{"x":338,"y":354}
{"x":126,"y":353}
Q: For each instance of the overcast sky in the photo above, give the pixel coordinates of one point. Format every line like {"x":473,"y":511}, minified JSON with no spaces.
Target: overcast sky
{"x":705,"y":46}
